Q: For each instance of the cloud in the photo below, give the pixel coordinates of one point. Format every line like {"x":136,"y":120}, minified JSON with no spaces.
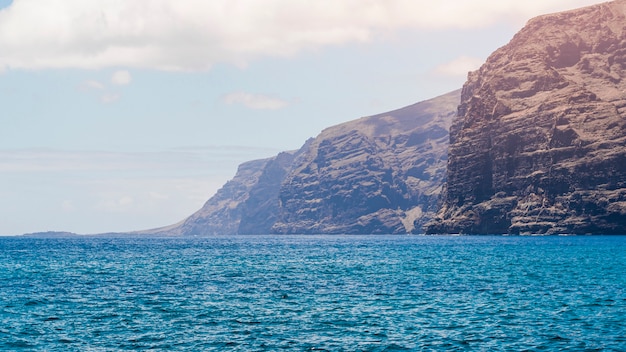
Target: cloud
{"x":115,"y":203}
{"x":109,"y":98}
{"x":176,"y":161}
{"x":67,"y":206}
{"x":254,"y":101}
{"x":157,"y":195}
{"x":459,"y":66}
{"x":92,"y":85}
{"x":121,"y":78}
{"x":192,"y":35}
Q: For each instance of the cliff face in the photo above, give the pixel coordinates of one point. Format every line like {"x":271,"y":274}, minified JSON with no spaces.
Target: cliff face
{"x":379,"y":174}
{"x":262,"y":207}
{"x":539,"y":145}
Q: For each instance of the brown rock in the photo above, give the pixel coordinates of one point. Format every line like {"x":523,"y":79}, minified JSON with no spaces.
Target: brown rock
{"x":539,"y":144}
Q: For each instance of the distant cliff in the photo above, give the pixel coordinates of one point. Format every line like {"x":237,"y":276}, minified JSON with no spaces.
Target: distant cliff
{"x":539,"y":145}
{"x":377,"y":174}
{"x":247,"y":204}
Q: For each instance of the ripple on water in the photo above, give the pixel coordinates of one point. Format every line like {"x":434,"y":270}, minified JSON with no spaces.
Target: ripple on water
{"x":374,"y":293}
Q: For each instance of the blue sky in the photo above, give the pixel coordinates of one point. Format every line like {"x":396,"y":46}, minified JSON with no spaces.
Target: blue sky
{"x":121,"y":116}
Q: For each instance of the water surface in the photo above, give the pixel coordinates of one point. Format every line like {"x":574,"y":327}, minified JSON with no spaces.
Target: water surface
{"x":335,"y":293}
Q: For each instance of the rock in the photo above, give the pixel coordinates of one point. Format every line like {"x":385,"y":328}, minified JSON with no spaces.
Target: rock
{"x":51,"y":234}
{"x":539,"y":144}
{"x":378,"y":174}
{"x":261,"y":209}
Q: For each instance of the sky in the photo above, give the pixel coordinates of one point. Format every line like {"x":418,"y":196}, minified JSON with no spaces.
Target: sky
{"x":123,"y":115}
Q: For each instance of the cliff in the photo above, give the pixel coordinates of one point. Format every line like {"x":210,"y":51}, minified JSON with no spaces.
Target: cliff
{"x":377,"y":174}
{"x":539,"y":144}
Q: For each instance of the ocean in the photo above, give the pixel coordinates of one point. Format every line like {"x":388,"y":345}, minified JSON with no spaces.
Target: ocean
{"x":314,"y":293}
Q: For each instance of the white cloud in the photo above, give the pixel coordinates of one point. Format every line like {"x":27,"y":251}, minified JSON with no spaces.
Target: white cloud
{"x":459,"y":66}
{"x":254,"y":101}
{"x":125,"y":200}
{"x":67,"y":206}
{"x":196,"y":34}
{"x":92,"y":84}
{"x":180,"y":160}
{"x":121,"y":78}
{"x":157,"y":195}
{"x":115,"y":203}
{"x":110,"y":98}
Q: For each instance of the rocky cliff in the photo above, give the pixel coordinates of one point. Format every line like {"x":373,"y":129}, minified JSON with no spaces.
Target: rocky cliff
{"x":378,"y":174}
{"x":539,"y":145}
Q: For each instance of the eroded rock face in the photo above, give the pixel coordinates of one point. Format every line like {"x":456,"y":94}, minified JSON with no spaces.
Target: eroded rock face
{"x":539,"y":145}
{"x":379,"y":174}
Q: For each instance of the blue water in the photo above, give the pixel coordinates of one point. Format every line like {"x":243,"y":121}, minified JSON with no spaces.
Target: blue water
{"x":335,"y":293}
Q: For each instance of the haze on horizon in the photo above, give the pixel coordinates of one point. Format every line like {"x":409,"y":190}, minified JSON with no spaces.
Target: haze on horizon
{"x":120,"y":116}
